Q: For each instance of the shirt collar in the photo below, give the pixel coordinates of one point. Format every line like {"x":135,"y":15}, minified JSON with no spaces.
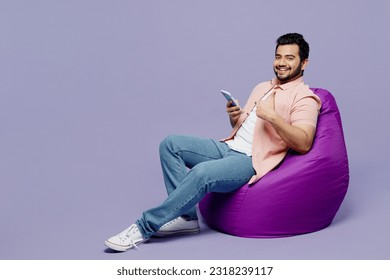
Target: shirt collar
{"x":293,"y":83}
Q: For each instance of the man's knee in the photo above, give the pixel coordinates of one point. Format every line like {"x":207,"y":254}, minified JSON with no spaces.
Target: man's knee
{"x":168,"y":143}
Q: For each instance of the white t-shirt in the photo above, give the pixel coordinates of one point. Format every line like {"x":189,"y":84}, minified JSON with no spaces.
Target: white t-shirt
{"x":242,"y":141}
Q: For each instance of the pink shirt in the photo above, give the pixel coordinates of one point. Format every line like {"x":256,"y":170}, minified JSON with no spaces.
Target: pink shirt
{"x":295,"y":103}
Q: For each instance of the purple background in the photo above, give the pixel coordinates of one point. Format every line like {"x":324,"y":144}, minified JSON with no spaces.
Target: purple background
{"x":89,"y":88}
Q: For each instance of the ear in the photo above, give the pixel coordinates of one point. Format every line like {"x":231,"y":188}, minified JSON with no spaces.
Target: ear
{"x":304,"y":63}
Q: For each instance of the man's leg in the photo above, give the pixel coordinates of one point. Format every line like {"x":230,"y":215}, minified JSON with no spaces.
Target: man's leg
{"x":178,"y":153}
{"x":221,"y":175}
{"x":217,"y":169}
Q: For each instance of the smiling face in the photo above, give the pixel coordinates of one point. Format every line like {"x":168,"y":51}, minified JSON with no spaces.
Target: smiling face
{"x":287,"y":64}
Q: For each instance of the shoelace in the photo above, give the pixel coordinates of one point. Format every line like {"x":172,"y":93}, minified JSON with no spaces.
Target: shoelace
{"x":126,"y":234}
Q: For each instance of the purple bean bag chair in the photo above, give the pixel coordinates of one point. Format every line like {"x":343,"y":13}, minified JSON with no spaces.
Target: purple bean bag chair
{"x":299,"y":196}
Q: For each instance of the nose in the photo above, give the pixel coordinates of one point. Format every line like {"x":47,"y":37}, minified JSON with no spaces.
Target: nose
{"x":282,"y":62}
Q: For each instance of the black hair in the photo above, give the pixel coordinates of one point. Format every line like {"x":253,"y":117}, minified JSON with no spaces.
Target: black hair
{"x":295,"y":38}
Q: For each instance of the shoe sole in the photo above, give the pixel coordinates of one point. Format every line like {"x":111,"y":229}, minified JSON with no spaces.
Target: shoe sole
{"x":119,"y":248}
{"x":177,"y":232}
{"x":116,"y":247}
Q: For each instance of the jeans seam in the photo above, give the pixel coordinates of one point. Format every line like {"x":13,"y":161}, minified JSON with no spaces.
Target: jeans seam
{"x":195,"y":153}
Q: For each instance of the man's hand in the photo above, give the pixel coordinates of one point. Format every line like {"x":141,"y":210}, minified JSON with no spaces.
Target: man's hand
{"x":234,"y":112}
{"x":266,"y":108}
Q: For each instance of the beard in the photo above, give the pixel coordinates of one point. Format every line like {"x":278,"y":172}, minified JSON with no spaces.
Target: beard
{"x":297,"y":72}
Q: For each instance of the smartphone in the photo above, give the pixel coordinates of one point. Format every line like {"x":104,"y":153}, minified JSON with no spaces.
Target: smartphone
{"x":229,"y":97}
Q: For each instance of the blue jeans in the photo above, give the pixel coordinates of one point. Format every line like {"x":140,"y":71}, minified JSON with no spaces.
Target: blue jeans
{"x":213,"y":167}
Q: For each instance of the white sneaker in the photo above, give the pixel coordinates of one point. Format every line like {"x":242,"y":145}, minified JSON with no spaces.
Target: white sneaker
{"x":127,"y":239}
{"x":178,"y":226}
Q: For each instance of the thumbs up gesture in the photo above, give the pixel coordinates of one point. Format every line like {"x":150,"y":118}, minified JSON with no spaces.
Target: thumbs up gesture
{"x":266,"y":107}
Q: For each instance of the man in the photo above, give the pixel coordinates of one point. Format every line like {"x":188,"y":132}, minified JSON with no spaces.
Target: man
{"x":279,"y":115}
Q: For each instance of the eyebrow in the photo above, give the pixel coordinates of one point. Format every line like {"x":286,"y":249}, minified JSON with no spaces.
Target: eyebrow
{"x":287,"y":55}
